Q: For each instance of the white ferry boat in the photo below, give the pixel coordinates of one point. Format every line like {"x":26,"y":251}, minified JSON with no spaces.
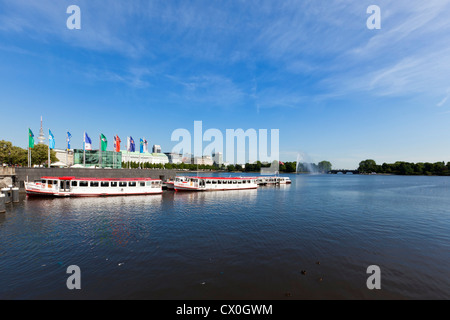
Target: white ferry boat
{"x":274,"y":180}
{"x":92,"y":187}
{"x":214,"y":183}
{"x":170,"y":183}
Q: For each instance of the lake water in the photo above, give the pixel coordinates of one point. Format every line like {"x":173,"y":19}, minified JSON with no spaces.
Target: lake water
{"x":249,"y":244}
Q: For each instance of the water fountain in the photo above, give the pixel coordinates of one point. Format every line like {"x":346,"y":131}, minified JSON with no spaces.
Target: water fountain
{"x":304,"y":160}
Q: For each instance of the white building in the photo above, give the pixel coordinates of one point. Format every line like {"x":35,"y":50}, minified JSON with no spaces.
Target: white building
{"x":174,"y":158}
{"x":156,"y":148}
{"x":205,"y":160}
{"x":64,"y":156}
{"x":218,"y":158}
{"x":152,"y":158}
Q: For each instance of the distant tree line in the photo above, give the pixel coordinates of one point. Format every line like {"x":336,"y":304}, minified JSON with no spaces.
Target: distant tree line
{"x":169,"y":166}
{"x":16,"y":156}
{"x":287,"y":167}
{"x":405,"y":168}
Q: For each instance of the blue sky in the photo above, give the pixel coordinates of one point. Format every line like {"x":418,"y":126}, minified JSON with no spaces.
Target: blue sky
{"x":336,"y":90}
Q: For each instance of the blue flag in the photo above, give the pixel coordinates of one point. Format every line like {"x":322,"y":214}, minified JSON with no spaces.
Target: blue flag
{"x":141,"y":149}
{"x":132,"y":145}
{"x":87,"y":142}
{"x":68,"y":140}
{"x":51,"y":140}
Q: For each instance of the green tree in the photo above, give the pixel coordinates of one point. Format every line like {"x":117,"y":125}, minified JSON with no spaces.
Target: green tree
{"x":324,"y":166}
{"x":367,"y":166}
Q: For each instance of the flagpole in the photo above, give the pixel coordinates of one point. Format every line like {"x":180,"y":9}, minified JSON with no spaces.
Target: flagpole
{"x":67,"y":149}
{"x":100,"y":158}
{"x":49,"y":149}
{"x":84,"y":150}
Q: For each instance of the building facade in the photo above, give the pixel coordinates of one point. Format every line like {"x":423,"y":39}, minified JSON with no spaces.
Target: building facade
{"x":95,"y":158}
{"x":174,"y":158}
{"x":152,"y":158}
{"x":65,"y":156}
{"x":156,"y":148}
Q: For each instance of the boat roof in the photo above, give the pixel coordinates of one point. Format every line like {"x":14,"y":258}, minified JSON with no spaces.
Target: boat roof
{"x":222,"y":178}
{"x":99,"y":179}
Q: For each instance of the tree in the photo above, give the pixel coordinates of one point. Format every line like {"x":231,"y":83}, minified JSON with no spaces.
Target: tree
{"x":324,"y":166}
{"x":39,"y":155}
{"x":5,"y":151}
{"x":367,"y":166}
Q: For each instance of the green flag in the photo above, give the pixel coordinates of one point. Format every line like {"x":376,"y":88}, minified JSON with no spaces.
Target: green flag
{"x":30,"y":139}
{"x":104,"y":142}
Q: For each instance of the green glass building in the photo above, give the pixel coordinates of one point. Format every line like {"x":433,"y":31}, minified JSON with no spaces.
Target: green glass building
{"x":109,"y":159}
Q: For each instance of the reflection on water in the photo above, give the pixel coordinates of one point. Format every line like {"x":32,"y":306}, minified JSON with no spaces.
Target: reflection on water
{"x":237,"y":244}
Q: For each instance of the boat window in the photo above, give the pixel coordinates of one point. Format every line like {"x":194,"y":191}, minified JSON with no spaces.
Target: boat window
{"x":132,"y":184}
{"x":219,"y":181}
{"x":113,"y":184}
{"x":55,"y":182}
{"x":83,"y":183}
{"x":208,"y":182}
{"x":230,"y":182}
{"x":240,"y":182}
{"x":104,"y":184}
{"x":122,"y":184}
{"x":149,"y":183}
{"x":74,"y":183}
{"x":214,"y":182}
{"x":244,"y":181}
{"x":94,"y":184}
{"x":142,"y":184}
{"x":234,"y":182}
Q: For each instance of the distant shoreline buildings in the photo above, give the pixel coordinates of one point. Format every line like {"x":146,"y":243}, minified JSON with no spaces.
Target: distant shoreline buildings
{"x":115,"y":159}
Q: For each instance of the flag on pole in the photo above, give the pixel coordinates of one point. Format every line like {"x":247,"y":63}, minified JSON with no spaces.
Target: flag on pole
{"x":132,"y":145}
{"x":145,"y":146}
{"x":104,"y":142}
{"x":69,"y":136}
{"x":87,"y":142}
{"x":141,"y":149}
{"x":51,"y":140}
{"x":30,"y":139}
{"x":117,"y":143}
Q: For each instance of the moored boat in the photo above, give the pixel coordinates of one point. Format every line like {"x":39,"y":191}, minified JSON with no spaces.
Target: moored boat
{"x":92,"y":187}
{"x":274,"y":180}
{"x":214,"y":183}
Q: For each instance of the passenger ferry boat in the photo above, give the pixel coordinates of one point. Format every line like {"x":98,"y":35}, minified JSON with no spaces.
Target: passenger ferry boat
{"x":214,"y":183}
{"x":273,"y":180}
{"x":92,"y":187}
